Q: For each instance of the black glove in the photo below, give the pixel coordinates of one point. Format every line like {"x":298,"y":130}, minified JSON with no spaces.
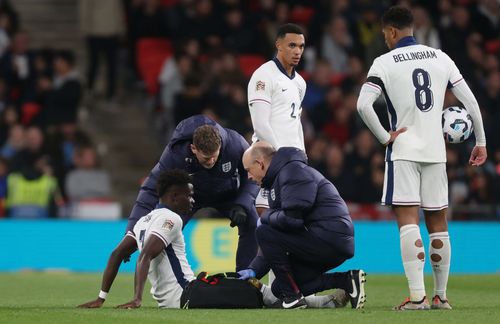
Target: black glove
{"x":237,"y":215}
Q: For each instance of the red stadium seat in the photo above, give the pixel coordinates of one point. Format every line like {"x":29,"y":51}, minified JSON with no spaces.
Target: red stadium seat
{"x":150,"y":56}
{"x":301,"y":15}
{"x":249,"y":63}
{"x":28,"y":111}
{"x":168,"y":3}
{"x":492,"y":46}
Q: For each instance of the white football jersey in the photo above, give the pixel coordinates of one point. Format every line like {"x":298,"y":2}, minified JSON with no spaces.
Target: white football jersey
{"x":170,"y":271}
{"x":271,"y":84}
{"x":414,"y":79}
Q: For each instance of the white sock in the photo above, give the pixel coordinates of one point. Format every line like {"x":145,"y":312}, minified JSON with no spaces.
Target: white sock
{"x":270,"y":277}
{"x":267,"y":295}
{"x":324,"y":301}
{"x":440,"y":255}
{"x":413,"y":255}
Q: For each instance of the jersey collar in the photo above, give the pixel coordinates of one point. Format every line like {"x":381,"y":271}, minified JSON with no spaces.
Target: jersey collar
{"x":161,"y":205}
{"x":282,"y":69}
{"x":406,"y":41}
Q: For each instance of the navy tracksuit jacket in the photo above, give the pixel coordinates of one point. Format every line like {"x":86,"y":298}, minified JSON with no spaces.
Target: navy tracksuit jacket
{"x":224,"y":185}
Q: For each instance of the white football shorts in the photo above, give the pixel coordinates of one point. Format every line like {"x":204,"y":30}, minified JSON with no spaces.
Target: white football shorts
{"x":408,"y":183}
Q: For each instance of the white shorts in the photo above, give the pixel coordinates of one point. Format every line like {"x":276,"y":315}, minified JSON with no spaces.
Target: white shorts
{"x":408,"y":183}
{"x":261,"y":199}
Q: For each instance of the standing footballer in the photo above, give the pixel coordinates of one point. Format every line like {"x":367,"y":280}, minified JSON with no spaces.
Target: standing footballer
{"x":414,"y":79}
{"x":275,"y":94}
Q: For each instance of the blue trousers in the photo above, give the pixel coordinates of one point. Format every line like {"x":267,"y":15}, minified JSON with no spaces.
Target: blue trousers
{"x":299,"y":260}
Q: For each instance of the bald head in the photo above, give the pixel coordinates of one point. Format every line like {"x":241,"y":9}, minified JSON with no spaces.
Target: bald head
{"x":256,"y":160}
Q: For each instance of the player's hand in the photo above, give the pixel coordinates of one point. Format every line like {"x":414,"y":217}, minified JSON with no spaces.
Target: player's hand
{"x":238,"y":216}
{"x":395,"y":134}
{"x":134,"y":303}
{"x":478,"y":156}
{"x":97,"y":303}
{"x":246,"y":274}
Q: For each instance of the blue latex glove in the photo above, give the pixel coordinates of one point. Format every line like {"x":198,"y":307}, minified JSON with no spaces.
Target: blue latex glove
{"x":246,"y":274}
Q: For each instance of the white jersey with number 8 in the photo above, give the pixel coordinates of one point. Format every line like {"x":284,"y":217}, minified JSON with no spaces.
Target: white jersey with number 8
{"x":414,"y":80}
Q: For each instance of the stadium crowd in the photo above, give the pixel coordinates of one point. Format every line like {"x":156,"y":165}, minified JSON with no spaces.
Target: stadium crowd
{"x":208,"y":49}
{"x":46,"y":161}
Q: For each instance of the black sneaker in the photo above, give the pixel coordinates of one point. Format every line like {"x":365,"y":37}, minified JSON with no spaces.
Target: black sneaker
{"x":357,"y":294}
{"x":294,"y":302}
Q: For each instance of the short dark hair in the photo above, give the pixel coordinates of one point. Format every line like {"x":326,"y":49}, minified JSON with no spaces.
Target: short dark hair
{"x":207,"y":139}
{"x":398,"y":17}
{"x":289,"y":29}
{"x":174,"y":177}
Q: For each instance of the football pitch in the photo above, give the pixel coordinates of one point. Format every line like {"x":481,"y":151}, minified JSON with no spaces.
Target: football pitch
{"x":38,"y":297}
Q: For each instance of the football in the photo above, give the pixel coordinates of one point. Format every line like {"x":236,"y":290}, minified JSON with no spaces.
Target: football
{"x":457,"y":124}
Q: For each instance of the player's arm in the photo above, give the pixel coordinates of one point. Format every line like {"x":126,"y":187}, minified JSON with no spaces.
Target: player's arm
{"x":152,"y":248}
{"x":126,"y":247}
{"x":260,"y":113}
{"x":259,"y":104}
{"x":463,"y":93}
{"x":369,"y":93}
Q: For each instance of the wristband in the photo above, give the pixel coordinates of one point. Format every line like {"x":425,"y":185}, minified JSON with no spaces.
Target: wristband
{"x":103,"y":294}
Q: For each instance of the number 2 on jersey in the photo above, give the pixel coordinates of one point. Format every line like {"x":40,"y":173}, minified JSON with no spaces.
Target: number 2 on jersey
{"x":293,"y":115}
{"x":423,"y":93}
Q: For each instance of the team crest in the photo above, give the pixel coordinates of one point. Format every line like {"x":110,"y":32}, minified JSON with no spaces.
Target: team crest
{"x":260,"y":85}
{"x":168,"y":224}
{"x":226,"y":167}
{"x":273,"y":194}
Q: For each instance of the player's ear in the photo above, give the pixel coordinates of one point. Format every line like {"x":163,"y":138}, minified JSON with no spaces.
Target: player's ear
{"x":193,"y":148}
{"x":278,"y":45}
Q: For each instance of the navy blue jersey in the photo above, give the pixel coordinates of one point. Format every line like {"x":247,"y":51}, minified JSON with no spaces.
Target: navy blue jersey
{"x":225,"y":183}
{"x":300,"y":196}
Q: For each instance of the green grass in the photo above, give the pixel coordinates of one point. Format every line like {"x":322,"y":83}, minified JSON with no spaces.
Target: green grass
{"x":52,"y":297}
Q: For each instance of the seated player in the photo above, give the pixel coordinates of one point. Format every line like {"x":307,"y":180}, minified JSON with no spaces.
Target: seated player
{"x":161,"y":243}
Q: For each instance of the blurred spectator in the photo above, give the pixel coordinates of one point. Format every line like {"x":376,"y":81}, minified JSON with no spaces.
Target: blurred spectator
{"x":424,"y":31}
{"x":16,"y":68}
{"x":102,"y":22}
{"x":32,"y":192}
{"x":63,"y":100}
{"x":486,"y":17}
{"x":318,"y":85}
{"x":87,"y":180}
{"x":336,"y":43}
{"x":360,"y":164}
{"x":238,"y":35}
{"x":15,"y":142}
{"x":8,"y":118}
{"x":7,"y":9}
{"x":191,"y":100}
{"x":33,"y":148}
{"x":340,"y":176}
{"x":4,"y":34}
{"x":172,"y":76}
{"x":4,"y":169}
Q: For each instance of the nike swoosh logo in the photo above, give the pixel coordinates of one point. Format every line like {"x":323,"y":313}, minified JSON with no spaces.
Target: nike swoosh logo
{"x":286,"y":305}
{"x":283,"y":90}
{"x":354,"y":293}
